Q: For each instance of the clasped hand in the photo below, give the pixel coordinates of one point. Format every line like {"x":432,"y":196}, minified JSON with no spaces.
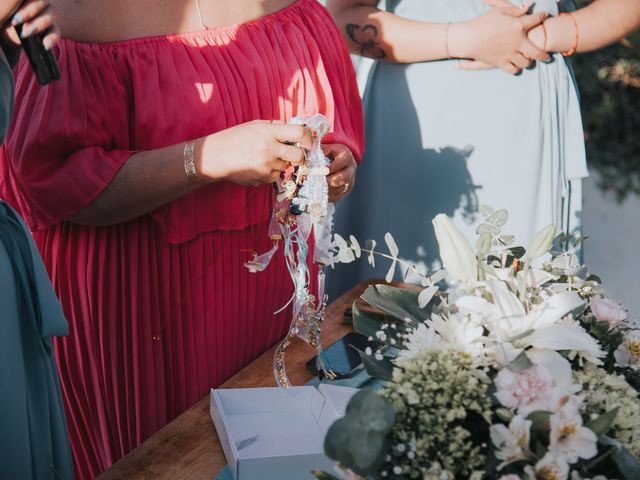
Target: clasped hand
{"x":499,"y":38}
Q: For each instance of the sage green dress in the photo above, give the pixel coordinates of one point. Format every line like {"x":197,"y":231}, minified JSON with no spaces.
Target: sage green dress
{"x":443,"y":140}
{"x":33,"y":434}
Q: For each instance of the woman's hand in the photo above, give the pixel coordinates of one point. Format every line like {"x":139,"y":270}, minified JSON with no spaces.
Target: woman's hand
{"x":252,"y":153}
{"x":35,"y":17}
{"x":342,"y":171}
{"x":498,"y":38}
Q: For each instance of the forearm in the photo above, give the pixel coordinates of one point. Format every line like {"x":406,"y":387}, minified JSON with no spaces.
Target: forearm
{"x":145,"y":182}
{"x":599,"y":24}
{"x":374,"y":33}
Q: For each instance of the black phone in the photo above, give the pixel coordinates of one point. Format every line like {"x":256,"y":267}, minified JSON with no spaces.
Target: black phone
{"x":341,"y":357}
{"x":42,"y":61}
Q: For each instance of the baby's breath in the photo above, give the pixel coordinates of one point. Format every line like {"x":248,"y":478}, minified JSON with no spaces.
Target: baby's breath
{"x":434,"y":395}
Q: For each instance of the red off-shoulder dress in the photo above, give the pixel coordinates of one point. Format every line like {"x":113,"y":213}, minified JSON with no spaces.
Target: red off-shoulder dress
{"x":161,"y":308}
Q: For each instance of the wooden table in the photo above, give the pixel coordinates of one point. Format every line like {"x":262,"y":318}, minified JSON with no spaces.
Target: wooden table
{"x":188,"y":448}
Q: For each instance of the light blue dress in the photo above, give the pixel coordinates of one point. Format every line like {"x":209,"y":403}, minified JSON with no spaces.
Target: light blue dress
{"x":443,"y":140}
{"x":33,"y":433}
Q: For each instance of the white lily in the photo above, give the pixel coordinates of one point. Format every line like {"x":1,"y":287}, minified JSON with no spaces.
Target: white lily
{"x":516,"y":329}
{"x":512,"y":444}
{"x":569,"y":439}
{"x":456,"y":253}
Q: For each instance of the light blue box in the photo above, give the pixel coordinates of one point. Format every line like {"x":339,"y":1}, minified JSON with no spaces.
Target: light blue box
{"x":276,"y":433}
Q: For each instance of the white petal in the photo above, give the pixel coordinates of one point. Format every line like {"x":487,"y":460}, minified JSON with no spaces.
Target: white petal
{"x":565,"y":337}
{"x":559,"y":366}
{"x":507,"y":302}
{"x":555,"y":308}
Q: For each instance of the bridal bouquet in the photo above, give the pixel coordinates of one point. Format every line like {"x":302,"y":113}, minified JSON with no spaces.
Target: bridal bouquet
{"x":521,"y":369}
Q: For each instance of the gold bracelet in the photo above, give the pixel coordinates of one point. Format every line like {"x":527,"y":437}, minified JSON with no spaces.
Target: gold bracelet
{"x":189,"y":165}
{"x":446,"y":41}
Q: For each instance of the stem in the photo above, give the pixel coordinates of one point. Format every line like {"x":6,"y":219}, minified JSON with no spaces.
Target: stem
{"x":400,"y":261}
{"x":523,"y":283}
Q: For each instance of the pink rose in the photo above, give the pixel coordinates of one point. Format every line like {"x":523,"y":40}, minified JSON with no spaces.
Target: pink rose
{"x":528,"y":390}
{"x":607,"y":310}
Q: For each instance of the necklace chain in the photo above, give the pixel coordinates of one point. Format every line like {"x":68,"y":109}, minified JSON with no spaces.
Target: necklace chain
{"x":200,"y":17}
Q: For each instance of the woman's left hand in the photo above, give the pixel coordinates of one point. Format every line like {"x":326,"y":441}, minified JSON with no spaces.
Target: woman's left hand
{"x":36,"y":17}
{"x":342,"y":171}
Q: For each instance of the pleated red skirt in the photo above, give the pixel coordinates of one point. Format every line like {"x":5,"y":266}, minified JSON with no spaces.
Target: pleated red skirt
{"x":161,"y":308}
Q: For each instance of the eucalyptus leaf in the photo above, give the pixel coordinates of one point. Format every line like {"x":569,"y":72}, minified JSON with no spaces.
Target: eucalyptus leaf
{"x":520,"y":363}
{"x":380,"y":369}
{"x":391,"y":244}
{"x":392,"y":271}
{"x":486,"y":210}
{"x":355,"y":246}
{"x":371,"y":246}
{"x":486,"y":228}
{"x":498,"y":218}
{"x":399,"y":303}
{"x":340,"y":242}
{"x":359,"y":440}
{"x":426,"y":295}
{"x":436,"y":277}
{"x":602,"y":424}
{"x":506,"y":240}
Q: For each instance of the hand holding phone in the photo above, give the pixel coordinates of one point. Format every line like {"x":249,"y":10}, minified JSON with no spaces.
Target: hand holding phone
{"x":34,"y":22}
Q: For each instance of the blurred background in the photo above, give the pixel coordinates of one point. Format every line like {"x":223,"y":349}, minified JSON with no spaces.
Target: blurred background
{"x":609,"y":82}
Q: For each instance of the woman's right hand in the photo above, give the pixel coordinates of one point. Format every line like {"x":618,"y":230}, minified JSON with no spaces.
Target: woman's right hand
{"x":252,"y":153}
{"x":498,"y":38}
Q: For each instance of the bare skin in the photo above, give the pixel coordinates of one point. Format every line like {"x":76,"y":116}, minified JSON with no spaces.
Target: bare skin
{"x":498,"y":37}
{"x":249,"y":154}
{"x":598,"y":24}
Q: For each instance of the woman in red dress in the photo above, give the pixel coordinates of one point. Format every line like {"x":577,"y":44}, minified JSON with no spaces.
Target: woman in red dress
{"x":144,"y":247}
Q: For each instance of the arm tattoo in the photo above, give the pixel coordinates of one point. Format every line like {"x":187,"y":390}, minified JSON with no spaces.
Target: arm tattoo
{"x":366,"y":37}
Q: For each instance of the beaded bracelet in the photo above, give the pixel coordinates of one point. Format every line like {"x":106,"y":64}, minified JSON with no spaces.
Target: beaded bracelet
{"x":572,"y":50}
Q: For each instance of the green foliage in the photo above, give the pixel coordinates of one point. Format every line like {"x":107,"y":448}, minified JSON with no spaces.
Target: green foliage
{"x":359,"y":440}
{"x":609,"y":82}
{"x":602,"y":424}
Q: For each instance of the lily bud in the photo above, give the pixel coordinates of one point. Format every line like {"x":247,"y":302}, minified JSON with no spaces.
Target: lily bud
{"x":456,"y":253}
{"x":542,"y":242}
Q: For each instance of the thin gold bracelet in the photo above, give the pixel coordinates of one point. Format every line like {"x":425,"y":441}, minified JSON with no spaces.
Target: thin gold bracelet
{"x":446,"y":41}
{"x":189,"y":165}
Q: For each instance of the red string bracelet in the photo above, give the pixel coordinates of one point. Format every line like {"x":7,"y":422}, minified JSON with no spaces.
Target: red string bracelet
{"x":572,"y":50}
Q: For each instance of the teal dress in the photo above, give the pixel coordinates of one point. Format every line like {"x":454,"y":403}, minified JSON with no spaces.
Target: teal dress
{"x":33,"y":434}
{"x":443,"y":140}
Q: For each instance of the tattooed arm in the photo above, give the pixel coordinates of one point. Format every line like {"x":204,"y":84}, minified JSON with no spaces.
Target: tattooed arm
{"x":497,"y":37}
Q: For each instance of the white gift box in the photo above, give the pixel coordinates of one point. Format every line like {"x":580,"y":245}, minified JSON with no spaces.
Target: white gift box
{"x":277,"y":433}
